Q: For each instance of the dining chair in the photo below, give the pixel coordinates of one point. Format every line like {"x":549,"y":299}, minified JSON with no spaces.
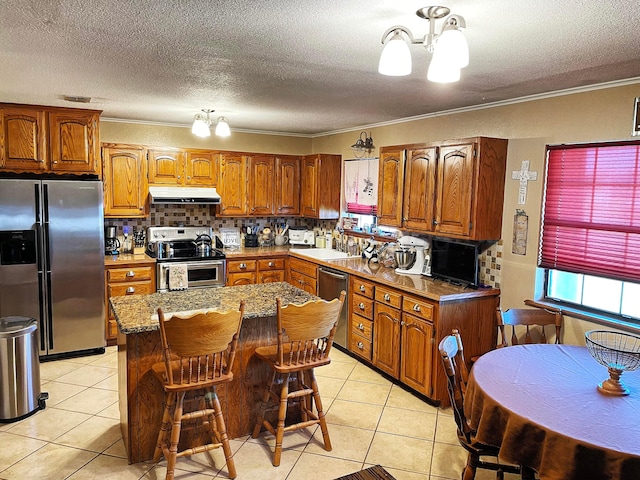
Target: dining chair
{"x":305,"y":335}
{"x":452,"y":354}
{"x":198,"y":352}
{"x":539,"y":320}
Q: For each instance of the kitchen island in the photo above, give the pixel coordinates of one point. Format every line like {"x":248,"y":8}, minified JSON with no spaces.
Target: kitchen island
{"x":140,"y":393}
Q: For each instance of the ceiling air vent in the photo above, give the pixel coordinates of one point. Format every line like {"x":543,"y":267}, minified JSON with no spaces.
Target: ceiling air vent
{"x":69,"y":98}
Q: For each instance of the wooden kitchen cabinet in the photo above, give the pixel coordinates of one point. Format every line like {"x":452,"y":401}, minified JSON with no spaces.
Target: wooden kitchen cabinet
{"x":251,"y":271}
{"x":360,"y":335}
{"x":417,"y":344}
{"x":303,"y":275}
{"x":320,"y":186}
{"x":125,"y":181}
{"x":49,"y":139}
{"x":287,"y":185}
{"x":173,"y":166}
{"x":262,"y":185}
{"x":233,"y":184}
{"x":453,"y":189}
{"x":123,"y":279}
{"x":386,"y":324}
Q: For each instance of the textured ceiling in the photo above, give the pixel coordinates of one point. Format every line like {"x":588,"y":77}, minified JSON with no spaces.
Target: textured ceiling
{"x":300,"y":66}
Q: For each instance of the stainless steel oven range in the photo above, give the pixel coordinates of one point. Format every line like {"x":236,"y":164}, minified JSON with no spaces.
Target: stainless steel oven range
{"x":195,"y":250}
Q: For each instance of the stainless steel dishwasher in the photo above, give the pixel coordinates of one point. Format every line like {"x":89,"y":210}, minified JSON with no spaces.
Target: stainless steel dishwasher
{"x":330,"y":284}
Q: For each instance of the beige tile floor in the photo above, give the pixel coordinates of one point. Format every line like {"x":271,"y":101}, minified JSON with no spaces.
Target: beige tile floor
{"x":371,"y":421}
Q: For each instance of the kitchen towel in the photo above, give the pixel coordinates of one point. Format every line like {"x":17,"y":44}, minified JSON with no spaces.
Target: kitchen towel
{"x":178,"y":279}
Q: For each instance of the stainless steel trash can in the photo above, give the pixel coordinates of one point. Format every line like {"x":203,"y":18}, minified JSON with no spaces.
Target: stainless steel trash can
{"x":20,"y":394}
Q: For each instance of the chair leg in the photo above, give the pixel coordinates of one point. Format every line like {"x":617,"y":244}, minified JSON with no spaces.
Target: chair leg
{"x":165,"y":426}
{"x":265,"y":400}
{"x":222,"y":432}
{"x":282,"y":415}
{"x":175,"y":436}
{"x":321,"y":419}
{"x":469,"y":472}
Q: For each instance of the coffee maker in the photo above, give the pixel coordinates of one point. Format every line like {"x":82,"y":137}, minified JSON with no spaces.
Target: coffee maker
{"x":111,"y":242}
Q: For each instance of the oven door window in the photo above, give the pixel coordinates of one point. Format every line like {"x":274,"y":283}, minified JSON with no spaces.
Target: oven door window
{"x":205,"y":275}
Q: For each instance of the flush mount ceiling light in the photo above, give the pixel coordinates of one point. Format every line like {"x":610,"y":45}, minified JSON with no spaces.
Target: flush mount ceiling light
{"x":449,"y":47}
{"x":201,"y":125}
{"x":363,"y":145}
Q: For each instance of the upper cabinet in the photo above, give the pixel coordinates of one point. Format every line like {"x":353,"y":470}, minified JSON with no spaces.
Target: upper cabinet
{"x":125,"y":180}
{"x":320,"y":186}
{"x":261,"y":185}
{"x":232,"y":185}
{"x":287,"y":185}
{"x":453,"y":189}
{"x":48,"y":139}
{"x":173,"y":166}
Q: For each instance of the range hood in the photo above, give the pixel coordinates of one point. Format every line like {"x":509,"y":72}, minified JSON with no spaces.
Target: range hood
{"x":201,"y":195}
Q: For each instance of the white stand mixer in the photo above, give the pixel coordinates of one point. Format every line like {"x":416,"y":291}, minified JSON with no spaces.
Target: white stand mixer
{"x":419,"y":245}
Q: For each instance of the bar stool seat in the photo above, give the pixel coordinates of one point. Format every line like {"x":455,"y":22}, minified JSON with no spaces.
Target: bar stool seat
{"x":199,"y":352}
{"x":305,"y":337}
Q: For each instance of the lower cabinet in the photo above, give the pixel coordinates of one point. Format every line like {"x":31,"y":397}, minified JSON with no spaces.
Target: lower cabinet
{"x":398,"y":332}
{"x":120,"y":280}
{"x":303,"y":275}
{"x":251,"y":271}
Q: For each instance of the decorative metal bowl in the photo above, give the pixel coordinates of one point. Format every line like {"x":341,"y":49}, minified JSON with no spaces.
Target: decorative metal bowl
{"x":618,"y":352}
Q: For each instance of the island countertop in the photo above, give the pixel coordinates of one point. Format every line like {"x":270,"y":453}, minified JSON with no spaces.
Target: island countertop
{"x":138,"y":313}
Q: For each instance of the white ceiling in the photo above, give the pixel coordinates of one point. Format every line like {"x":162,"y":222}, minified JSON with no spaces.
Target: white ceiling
{"x":299,"y":66}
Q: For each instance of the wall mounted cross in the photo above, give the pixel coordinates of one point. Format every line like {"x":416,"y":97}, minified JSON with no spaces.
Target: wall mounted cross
{"x":524,"y":175}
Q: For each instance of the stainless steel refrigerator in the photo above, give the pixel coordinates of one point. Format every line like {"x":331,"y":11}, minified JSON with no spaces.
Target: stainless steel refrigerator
{"x":52,"y":261}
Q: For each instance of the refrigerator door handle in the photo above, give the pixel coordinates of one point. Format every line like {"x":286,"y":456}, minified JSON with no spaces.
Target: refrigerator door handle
{"x":49,"y":314}
{"x":37,"y":197}
{"x":42,"y":326}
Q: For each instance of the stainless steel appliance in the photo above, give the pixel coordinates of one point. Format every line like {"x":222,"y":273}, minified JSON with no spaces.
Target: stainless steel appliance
{"x":189,"y":250}
{"x":52,"y":261}
{"x":410,"y":256}
{"x":111,"y":242}
{"x":330,"y":284}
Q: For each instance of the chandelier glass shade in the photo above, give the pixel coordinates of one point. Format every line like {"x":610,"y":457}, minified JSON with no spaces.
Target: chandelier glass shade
{"x":202,"y":125}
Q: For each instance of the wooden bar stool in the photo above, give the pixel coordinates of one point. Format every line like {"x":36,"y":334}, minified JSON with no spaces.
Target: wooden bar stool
{"x":199,"y":351}
{"x":305,"y":336}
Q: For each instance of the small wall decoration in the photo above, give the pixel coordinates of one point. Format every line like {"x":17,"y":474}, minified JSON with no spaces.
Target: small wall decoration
{"x":524,"y":175}
{"x":636,"y":118}
{"x":520,"y":229}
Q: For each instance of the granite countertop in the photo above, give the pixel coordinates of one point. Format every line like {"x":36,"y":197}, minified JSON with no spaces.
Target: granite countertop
{"x":125,"y":259}
{"x":137,"y":313}
{"x":256,"y":252}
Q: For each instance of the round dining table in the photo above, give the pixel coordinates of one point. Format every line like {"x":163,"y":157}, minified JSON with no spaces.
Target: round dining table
{"x":540,"y":405}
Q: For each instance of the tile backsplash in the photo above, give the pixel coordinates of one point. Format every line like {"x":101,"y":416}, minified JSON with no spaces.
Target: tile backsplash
{"x":490,"y":258}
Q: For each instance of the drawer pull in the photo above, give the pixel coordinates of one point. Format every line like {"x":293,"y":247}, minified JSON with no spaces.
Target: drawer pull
{"x":416,"y":308}
{"x":271,"y":264}
{"x":361,"y":327}
{"x":361,"y":345}
{"x":131,"y":290}
{"x":131,"y":273}
{"x":242,"y":265}
{"x":361,"y":306}
{"x":386,"y":297}
{"x":363,"y":288}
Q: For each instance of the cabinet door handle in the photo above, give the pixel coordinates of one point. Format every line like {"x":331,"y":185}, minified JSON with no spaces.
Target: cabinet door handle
{"x":363,"y":288}
{"x":361,"y":306}
{"x":361,"y":327}
{"x":131,"y":290}
{"x":395,"y":320}
{"x":242,"y":265}
{"x":131,"y":273}
{"x":403,"y":323}
{"x":416,"y":308}
{"x":386,"y":297}
{"x":361,"y":345}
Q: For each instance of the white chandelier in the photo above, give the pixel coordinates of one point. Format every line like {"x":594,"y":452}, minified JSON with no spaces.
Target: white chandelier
{"x":201,"y":124}
{"x":449,"y":47}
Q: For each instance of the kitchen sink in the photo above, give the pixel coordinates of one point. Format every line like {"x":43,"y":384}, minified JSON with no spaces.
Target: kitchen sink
{"x":320,"y":253}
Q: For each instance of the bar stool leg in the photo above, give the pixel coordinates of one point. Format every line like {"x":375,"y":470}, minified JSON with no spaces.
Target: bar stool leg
{"x":165,"y":427}
{"x":265,"y":400}
{"x":282,"y":415}
{"x":175,"y":436}
{"x":221,"y":431}
{"x":321,"y":419}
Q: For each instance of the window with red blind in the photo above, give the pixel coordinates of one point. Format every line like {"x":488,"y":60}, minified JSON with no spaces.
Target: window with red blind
{"x":591,"y":212}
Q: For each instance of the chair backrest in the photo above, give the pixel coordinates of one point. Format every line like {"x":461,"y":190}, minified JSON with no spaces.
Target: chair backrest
{"x":538,"y":318}
{"x":305,"y":331}
{"x":452,"y":354}
{"x":200,"y":346}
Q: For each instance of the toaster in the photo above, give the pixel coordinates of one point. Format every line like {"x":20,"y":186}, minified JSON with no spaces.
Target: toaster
{"x":302,"y":237}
